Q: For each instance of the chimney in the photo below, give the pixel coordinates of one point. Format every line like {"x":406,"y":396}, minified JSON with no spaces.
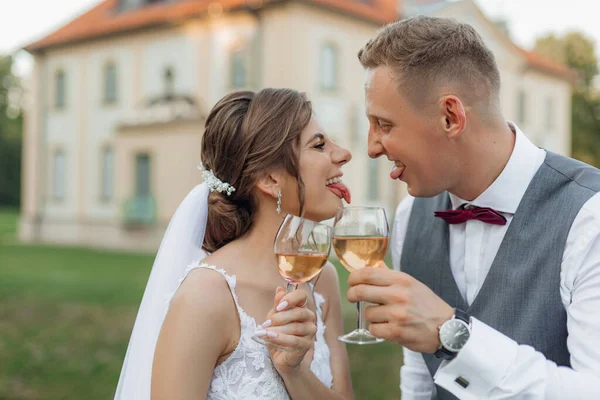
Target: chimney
{"x":391,"y":10}
{"x":502,"y":25}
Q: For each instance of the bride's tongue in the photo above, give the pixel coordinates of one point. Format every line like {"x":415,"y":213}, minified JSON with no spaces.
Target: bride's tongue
{"x":341,"y":191}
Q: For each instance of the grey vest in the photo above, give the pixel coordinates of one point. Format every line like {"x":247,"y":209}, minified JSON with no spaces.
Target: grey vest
{"x":520,"y":296}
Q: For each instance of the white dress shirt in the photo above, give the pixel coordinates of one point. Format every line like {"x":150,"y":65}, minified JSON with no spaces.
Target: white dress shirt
{"x":496,"y":366}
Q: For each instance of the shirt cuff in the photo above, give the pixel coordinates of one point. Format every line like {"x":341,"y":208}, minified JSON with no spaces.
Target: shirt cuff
{"x":480,"y":366}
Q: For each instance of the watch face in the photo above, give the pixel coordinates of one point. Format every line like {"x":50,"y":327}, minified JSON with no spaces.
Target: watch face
{"x":454,"y":334}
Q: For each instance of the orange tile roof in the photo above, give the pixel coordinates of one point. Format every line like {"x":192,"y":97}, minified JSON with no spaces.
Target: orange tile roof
{"x":105,"y":20}
{"x":543,"y":64}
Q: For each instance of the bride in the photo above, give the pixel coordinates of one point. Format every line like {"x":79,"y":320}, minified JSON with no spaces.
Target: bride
{"x":214,"y":284}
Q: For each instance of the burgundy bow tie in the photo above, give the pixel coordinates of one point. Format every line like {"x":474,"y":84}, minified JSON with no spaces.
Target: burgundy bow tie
{"x":463,"y":214}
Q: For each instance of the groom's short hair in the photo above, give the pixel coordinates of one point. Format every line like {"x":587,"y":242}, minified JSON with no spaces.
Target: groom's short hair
{"x":425,"y":52}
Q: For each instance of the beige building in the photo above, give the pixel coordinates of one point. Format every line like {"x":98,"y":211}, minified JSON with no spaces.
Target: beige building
{"x":536,"y":93}
{"x":112,"y":139}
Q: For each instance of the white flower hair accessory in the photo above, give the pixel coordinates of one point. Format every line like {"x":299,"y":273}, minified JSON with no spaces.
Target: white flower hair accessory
{"x":214,"y":183}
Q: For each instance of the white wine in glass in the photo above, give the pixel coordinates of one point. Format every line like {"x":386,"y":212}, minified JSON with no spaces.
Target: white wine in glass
{"x":360,"y":252}
{"x":360,"y":240}
{"x":299,"y":268}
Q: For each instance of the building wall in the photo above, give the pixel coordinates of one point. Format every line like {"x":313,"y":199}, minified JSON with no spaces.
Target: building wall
{"x":516,"y":77}
{"x":174,"y":160}
{"x":284,"y":45}
{"x":87,"y":124}
{"x":63,"y":131}
{"x":548,"y":112}
{"x":294,"y":38}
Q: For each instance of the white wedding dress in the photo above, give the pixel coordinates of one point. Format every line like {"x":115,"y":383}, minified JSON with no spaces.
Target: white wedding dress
{"x":248,"y":373}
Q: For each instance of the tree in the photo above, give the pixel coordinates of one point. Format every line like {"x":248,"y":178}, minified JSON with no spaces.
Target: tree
{"x":578,"y":52}
{"x":11,"y":125}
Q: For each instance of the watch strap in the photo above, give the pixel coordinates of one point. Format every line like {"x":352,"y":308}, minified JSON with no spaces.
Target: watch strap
{"x":444,"y":354}
{"x":463,"y":316}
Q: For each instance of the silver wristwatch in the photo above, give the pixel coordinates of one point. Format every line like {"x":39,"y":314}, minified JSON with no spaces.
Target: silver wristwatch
{"x":454,"y":335}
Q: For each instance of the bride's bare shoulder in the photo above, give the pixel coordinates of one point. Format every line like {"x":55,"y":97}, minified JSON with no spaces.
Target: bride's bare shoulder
{"x":204,"y":294}
{"x":198,"y":329}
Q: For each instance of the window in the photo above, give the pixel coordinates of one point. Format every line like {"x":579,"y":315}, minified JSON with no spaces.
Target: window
{"x":239,"y":70}
{"x":142,"y":175}
{"x":60,"y":99}
{"x":521,"y":107}
{"x":549,"y":113}
{"x":141,"y":208}
{"x":358,"y":122}
{"x":58,"y":175}
{"x":124,"y":5}
{"x":169,"y":81}
{"x":110,"y":83}
{"x":107,"y":176}
{"x":328,"y":73}
{"x":373,"y":177}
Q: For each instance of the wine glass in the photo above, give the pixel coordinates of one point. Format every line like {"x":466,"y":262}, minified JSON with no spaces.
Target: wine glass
{"x":302,"y":248}
{"x":360,"y":240}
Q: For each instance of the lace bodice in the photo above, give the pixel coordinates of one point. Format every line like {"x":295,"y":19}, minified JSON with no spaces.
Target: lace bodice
{"x":248,"y":373}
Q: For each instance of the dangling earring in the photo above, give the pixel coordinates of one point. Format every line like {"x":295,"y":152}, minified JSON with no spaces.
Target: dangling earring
{"x":278,"y":201}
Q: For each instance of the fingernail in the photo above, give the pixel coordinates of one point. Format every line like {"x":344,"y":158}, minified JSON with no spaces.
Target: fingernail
{"x":271,"y":334}
{"x":266,"y":324}
{"x":260,"y":332}
{"x":282,"y":306}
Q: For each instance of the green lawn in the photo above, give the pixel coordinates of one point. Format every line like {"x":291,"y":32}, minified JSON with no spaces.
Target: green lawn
{"x":375,"y":368}
{"x":66,"y":315}
{"x":8,"y":222}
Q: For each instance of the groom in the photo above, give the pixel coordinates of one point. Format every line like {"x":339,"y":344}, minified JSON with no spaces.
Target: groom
{"x":498,"y":242}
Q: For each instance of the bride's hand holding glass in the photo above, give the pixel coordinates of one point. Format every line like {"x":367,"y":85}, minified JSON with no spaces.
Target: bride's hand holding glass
{"x":289,"y":330}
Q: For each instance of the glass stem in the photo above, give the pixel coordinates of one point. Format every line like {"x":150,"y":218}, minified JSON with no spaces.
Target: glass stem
{"x":360,"y":306}
{"x":289,"y":287}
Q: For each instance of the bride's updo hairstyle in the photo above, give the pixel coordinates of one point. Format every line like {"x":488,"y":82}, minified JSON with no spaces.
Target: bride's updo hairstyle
{"x":248,"y":135}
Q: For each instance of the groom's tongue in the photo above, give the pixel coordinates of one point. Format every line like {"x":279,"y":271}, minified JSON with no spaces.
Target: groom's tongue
{"x":340,"y":191}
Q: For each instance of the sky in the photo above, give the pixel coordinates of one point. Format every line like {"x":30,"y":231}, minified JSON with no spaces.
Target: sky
{"x":24,"y":21}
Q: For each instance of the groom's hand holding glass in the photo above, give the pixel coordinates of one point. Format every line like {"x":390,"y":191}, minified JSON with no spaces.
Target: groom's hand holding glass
{"x":405,"y":311}
{"x":360,"y":241}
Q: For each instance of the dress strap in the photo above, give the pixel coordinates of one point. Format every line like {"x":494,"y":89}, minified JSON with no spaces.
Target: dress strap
{"x":230,"y":279}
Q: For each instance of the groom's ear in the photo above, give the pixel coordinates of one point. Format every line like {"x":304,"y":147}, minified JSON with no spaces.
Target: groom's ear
{"x":270,"y":183}
{"x":453,"y":116}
